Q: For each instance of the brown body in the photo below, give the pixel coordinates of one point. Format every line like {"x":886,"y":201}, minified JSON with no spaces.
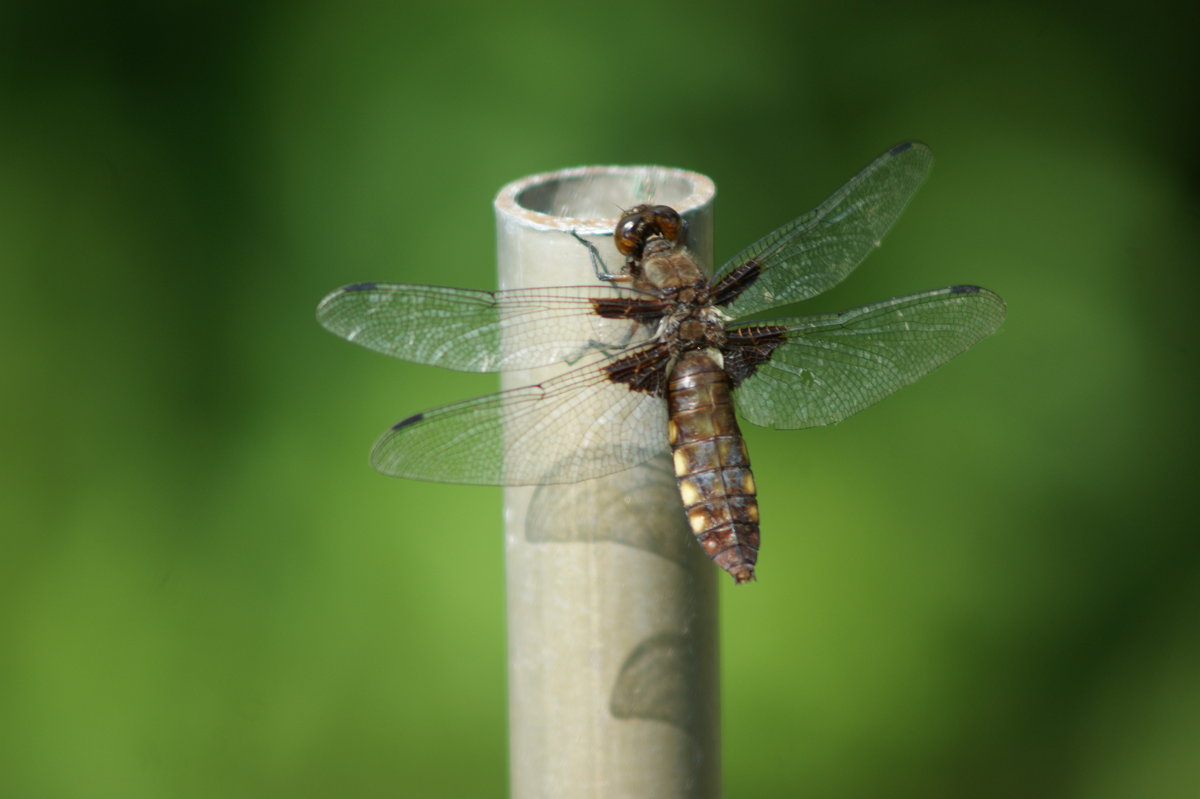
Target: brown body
{"x":711,"y":464}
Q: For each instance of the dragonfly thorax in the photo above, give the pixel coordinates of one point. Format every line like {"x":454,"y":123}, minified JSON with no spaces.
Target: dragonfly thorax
{"x":668,"y":269}
{"x":691,"y":327}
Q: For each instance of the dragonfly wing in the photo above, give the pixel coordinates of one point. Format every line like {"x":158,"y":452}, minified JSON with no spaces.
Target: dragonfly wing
{"x":817,"y":370}
{"x":482,"y":331}
{"x":815,"y":252}
{"x":576,"y":426}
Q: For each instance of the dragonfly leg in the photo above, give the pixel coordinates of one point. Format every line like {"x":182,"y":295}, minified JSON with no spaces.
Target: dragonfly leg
{"x":598,"y":266}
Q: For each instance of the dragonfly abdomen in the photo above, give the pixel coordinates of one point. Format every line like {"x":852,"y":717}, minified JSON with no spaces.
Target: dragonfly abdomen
{"x":711,"y":464}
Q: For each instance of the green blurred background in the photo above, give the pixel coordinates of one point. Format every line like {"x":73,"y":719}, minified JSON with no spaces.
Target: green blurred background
{"x":985,"y":586}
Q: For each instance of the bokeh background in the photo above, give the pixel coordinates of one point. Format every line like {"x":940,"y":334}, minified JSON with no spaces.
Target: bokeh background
{"x":986,"y":586}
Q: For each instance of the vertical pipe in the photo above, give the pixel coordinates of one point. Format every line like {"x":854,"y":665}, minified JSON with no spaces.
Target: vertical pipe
{"x":612,"y":639}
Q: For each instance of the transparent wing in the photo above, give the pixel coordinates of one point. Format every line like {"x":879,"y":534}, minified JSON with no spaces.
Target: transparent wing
{"x":834,"y":365}
{"x":576,"y":426}
{"x":817,"y":251}
{"x":478,"y":331}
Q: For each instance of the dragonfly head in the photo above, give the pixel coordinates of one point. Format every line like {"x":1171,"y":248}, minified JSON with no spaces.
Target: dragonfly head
{"x":645,"y":222}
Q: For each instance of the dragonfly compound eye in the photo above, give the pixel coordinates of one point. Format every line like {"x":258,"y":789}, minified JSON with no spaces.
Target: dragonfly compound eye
{"x":667,"y":222}
{"x":631,"y":232}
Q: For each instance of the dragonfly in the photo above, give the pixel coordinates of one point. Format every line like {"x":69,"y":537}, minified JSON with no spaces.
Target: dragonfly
{"x":659,"y":346}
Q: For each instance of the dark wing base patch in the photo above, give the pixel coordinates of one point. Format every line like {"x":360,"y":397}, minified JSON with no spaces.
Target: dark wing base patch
{"x":746,"y":348}
{"x":639,"y":310}
{"x":733,"y":284}
{"x":644,"y":371}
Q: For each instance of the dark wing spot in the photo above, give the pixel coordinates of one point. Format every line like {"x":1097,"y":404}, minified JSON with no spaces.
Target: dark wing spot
{"x":964,"y":289}
{"x":639,"y":310}
{"x":746,"y":348}
{"x":899,"y":148}
{"x":361,"y":287}
{"x":644,"y":371}
{"x":734,"y":283}
{"x":416,"y":417}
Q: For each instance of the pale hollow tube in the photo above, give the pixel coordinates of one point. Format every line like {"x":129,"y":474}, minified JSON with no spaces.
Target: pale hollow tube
{"x":612,"y":618}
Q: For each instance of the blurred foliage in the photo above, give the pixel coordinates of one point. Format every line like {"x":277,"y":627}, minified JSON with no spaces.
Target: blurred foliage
{"x":985,"y":586}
